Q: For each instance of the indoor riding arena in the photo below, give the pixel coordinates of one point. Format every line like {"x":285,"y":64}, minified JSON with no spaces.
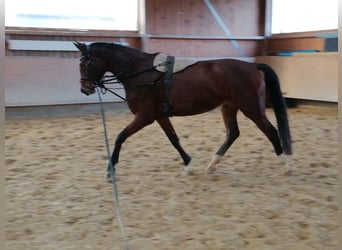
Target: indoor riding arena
{"x":56,"y":155}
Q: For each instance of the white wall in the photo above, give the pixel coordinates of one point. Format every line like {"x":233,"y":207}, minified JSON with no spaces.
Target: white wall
{"x":45,"y":81}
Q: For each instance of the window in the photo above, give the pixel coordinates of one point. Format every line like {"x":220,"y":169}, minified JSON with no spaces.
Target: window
{"x":74,"y":14}
{"x":304,"y":15}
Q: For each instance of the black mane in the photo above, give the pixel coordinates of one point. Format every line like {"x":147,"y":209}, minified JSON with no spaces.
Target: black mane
{"x":111,"y":46}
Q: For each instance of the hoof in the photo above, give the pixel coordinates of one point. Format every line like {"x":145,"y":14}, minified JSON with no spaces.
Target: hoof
{"x":212,"y":165}
{"x":108,"y":177}
{"x":187,"y":170}
{"x":288,"y":172}
{"x":210,"y":170}
{"x":186,"y":173}
{"x":285,"y":159}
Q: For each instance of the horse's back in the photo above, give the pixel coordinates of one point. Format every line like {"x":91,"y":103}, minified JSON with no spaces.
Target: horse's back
{"x":234,"y":75}
{"x":235,"y":67}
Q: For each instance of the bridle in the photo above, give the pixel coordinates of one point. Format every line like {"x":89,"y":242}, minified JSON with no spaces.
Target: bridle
{"x":87,"y":60}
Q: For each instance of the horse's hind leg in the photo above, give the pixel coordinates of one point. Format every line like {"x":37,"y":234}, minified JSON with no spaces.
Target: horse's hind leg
{"x":271,"y":133}
{"x":166,"y":125}
{"x":269,"y":130}
{"x":233,"y":132}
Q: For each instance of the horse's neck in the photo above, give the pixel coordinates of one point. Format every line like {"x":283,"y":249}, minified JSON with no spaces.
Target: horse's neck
{"x":126,"y":61}
{"x":131,"y":60}
{"x":139,"y":72}
{"x":117,"y":58}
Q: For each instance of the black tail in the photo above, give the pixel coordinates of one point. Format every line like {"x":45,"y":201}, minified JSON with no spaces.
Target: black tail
{"x":279,"y":106}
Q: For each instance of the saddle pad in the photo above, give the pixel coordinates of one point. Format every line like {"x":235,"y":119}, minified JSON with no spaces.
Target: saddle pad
{"x":179,"y":65}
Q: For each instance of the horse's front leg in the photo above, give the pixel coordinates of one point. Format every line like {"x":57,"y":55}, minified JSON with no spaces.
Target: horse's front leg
{"x":166,"y":125}
{"x":138,"y":123}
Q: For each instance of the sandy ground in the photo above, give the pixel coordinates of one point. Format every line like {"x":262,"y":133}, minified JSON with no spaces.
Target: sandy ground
{"x":57,"y":197}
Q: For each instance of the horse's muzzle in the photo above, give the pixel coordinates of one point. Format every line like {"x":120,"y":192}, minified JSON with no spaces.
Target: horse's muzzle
{"x":87,"y":87}
{"x":88,"y":91}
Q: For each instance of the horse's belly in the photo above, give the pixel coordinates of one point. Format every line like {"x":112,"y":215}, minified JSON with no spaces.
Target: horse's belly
{"x":193,"y":106}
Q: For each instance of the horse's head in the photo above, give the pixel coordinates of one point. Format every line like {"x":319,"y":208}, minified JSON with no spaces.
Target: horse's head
{"x":92,"y":69}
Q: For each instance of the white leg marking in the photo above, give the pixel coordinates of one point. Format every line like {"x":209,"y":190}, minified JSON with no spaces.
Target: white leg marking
{"x":188,"y":169}
{"x":286,"y":161}
{"x":212,"y":165}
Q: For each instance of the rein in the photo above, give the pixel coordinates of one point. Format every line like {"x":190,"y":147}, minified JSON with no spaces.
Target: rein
{"x":104,"y":89}
{"x":116,"y":79}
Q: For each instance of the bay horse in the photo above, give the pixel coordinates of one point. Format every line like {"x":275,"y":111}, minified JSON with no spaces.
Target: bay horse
{"x":232,"y":84}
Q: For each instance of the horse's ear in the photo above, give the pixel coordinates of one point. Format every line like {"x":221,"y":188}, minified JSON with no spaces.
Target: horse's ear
{"x":81,"y":47}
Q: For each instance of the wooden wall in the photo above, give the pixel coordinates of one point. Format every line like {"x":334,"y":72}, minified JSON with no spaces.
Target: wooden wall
{"x":189,"y":29}
{"x":180,"y":28}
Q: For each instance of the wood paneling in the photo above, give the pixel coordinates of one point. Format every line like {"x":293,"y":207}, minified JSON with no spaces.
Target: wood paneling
{"x":312,"y":43}
{"x":200,"y":48}
{"x":192,"y":17}
{"x":243,"y":18}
